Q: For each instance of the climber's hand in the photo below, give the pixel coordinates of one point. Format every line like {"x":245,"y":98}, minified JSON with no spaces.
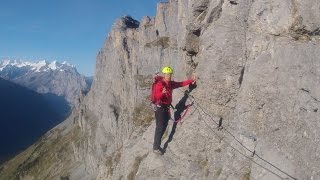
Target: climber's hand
{"x":193,"y":77}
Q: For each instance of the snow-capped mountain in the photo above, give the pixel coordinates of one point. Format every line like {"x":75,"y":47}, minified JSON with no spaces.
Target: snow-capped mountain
{"x":40,"y":66}
{"x":61,"y":79}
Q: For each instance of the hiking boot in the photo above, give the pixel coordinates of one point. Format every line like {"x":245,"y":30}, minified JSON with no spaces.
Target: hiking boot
{"x":158,"y":151}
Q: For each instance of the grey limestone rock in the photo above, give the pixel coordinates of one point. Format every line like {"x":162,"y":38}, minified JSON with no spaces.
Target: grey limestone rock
{"x":258,"y":68}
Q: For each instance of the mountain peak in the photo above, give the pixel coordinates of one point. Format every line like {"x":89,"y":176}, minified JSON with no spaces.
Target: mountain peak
{"x":61,"y":79}
{"x":40,"y":66}
{"x":53,"y":65}
{"x":126,"y":22}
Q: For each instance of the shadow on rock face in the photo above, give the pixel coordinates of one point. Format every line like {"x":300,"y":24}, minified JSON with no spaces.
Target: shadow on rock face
{"x":180,"y":108}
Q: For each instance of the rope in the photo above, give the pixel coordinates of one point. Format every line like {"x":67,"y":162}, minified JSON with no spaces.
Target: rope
{"x":253,"y":152}
{"x":183,"y":115}
{"x":237,"y":149}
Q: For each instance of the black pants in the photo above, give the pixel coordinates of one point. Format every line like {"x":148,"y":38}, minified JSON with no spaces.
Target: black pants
{"x":162,"y":118}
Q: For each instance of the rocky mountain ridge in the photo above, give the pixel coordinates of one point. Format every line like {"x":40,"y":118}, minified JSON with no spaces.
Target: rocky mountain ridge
{"x":39,"y":66}
{"x":61,"y":79}
{"x":258,"y":66}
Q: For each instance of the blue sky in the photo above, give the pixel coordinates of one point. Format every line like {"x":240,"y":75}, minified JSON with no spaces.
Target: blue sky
{"x":72,"y":30}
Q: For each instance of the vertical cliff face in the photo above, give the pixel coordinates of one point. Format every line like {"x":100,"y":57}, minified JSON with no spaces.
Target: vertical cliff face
{"x":256,"y":62}
{"x":258,"y":68}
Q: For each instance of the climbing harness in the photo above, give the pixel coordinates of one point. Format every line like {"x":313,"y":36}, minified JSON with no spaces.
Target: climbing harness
{"x":220,"y":127}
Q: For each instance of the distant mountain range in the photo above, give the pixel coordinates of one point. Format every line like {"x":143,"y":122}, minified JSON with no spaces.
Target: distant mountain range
{"x":25,"y":116}
{"x":34,"y":97}
{"x":61,"y":79}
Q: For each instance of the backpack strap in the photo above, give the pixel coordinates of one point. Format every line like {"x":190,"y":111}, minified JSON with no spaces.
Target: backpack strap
{"x":157,"y":79}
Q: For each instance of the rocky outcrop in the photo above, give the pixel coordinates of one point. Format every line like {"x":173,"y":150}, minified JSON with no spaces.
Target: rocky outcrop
{"x":258,"y":68}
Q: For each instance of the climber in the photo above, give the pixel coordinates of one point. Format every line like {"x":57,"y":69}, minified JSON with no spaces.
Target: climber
{"x":161,"y":97}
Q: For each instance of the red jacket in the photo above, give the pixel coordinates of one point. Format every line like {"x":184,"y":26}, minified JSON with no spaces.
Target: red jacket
{"x":166,"y":98}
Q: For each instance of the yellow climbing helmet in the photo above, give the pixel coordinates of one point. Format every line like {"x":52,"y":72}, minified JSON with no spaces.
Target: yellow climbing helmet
{"x":167,"y":70}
